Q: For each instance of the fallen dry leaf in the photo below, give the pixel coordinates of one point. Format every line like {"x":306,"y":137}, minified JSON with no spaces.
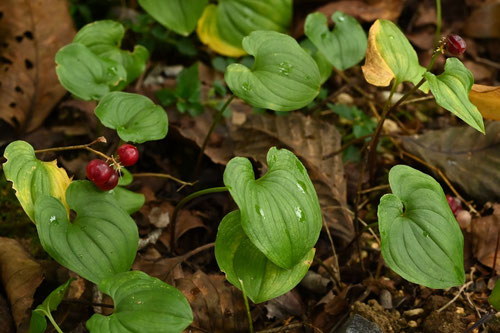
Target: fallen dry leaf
{"x":217,"y":306}
{"x":30,"y":40}
{"x":375,"y":69}
{"x":484,"y":22}
{"x":7,"y":324}
{"x":487,"y":100}
{"x":21,"y":276}
{"x":467,"y":157}
{"x":485,"y":231}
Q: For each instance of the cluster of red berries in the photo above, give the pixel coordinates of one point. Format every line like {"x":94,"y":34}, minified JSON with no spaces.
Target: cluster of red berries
{"x":455,"y":204}
{"x":105,"y":176}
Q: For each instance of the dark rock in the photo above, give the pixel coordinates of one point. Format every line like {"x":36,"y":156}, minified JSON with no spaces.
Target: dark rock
{"x":358,"y":324}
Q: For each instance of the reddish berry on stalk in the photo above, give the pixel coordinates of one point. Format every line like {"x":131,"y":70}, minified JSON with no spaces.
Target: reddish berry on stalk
{"x":455,"y":204}
{"x":128,"y":154}
{"x":110,"y":183}
{"x":455,"y":45}
{"x":99,"y":171}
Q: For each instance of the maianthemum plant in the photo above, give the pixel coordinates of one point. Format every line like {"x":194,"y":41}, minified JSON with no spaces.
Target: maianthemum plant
{"x":266,"y":246}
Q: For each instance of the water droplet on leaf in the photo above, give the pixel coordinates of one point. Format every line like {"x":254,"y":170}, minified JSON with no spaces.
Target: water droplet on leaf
{"x":285,"y":68}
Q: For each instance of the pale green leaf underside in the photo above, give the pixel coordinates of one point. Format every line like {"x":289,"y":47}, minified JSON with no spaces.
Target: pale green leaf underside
{"x":142,"y":304}
{"x":280,"y":212}
{"x":345,"y":46}
{"x":284,"y":76}
{"x":104,"y":39}
{"x":324,"y":66}
{"x":244,"y":264}
{"x":399,"y":55}
{"x":100,"y":242}
{"x":451,"y":90}
{"x":421,"y":240}
{"x":135,"y":117}
{"x":86,"y":75}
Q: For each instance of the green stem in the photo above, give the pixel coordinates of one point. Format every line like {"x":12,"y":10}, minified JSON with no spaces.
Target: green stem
{"x":182,"y":203}
{"x":247,"y":306}
{"x":51,"y":319}
{"x":215,"y":121}
{"x":438,"y":23}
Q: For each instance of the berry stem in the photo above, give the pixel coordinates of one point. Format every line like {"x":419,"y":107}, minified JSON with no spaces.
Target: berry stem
{"x":438,"y":23}
{"x":164,"y":175}
{"x":215,"y":121}
{"x":100,"y":139}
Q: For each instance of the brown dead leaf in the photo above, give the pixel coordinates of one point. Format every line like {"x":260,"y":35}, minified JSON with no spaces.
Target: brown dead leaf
{"x":7,"y":324}
{"x":31,"y":33}
{"x":487,"y":100}
{"x":375,"y":69}
{"x":21,"y":276}
{"x":484,"y":22}
{"x":485,"y":231}
{"x":467,"y":157}
{"x":217,"y":306}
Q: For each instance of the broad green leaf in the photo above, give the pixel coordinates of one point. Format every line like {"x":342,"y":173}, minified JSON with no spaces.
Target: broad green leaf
{"x":104,"y":39}
{"x":101,"y":241}
{"x":390,"y":56}
{"x":142,"y":304}
{"x":33,"y":178}
{"x":324,"y":66}
{"x":345,"y":46}
{"x":451,"y":90}
{"x":421,"y":240}
{"x":128,"y":200}
{"x":223,"y":26}
{"x":244,"y":264}
{"x":38,"y":324}
{"x":494,"y":298}
{"x":135,"y":117}
{"x":86,"y":75}
{"x":284,"y":77}
{"x":126,"y":177}
{"x":280,"y":212}
{"x":180,"y":16}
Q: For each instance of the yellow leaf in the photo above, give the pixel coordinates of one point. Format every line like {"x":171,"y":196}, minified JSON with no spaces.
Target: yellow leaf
{"x":487,"y":100}
{"x":208,"y":33}
{"x":376,"y":70}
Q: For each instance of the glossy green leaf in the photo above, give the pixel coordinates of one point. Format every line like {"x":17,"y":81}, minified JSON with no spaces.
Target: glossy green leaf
{"x":38,"y":324}
{"x":280,"y":212}
{"x":345,"y":46}
{"x":126,"y":177}
{"x":223,"y":26}
{"x":142,"y":304}
{"x":421,"y":240}
{"x":128,"y":200}
{"x":33,"y":178}
{"x":451,"y":90}
{"x":390,"y":56}
{"x":86,"y":75}
{"x":245,"y":265}
{"x":494,"y":298}
{"x":104,"y":39}
{"x":135,"y":117}
{"x":180,"y":16}
{"x":324,"y":66}
{"x":101,"y":241}
{"x":284,"y":77}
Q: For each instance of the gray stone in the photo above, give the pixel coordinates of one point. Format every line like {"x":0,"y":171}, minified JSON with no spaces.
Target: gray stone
{"x":359,"y":324}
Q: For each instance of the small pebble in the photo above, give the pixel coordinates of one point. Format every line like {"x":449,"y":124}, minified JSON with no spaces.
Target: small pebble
{"x":460,"y":310}
{"x":413,"y":312}
{"x":385,"y":299}
{"x":412,"y":323}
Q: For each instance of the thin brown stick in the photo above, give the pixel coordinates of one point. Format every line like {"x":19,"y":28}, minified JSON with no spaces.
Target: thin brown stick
{"x":163,"y":175}
{"x":376,"y":188}
{"x":462,"y":288}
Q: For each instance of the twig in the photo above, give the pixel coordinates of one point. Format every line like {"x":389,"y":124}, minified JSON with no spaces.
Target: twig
{"x":462,"y":288}
{"x":334,"y":253}
{"x":418,"y":99}
{"x":164,"y":175}
{"x":376,"y":188}
{"x":354,"y":85}
{"x":328,"y":269}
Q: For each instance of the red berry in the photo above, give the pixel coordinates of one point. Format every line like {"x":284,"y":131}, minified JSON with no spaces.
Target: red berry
{"x":98,"y":171}
{"x":110,"y":183}
{"x":128,"y":154}
{"x":455,"y":204}
{"x":455,"y":45}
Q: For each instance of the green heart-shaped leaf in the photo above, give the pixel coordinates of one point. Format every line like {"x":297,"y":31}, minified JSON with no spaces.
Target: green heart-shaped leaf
{"x":33,"y":178}
{"x":494,"y":298}
{"x":180,"y":16}
{"x":135,"y":117}
{"x":390,"y":56}
{"x":451,"y":90}
{"x":324,"y":66}
{"x":100,"y":242}
{"x":129,"y":201}
{"x":280,"y":212}
{"x":142,"y":304}
{"x":104,"y":38}
{"x":345,"y":46}
{"x":223,"y":26}
{"x":245,"y":265}
{"x":38,"y":324}
{"x":421,"y":240}
{"x":86,"y":75}
{"x":284,"y":77}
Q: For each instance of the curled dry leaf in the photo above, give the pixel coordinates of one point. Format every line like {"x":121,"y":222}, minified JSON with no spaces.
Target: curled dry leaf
{"x":217,"y":306}
{"x":485,"y":231}
{"x":487,"y":100}
{"x":467,"y":157}
{"x":20,"y":276}
{"x":30,"y":88}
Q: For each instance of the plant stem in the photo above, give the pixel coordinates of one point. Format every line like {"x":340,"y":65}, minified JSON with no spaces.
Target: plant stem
{"x":100,"y":139}
{"x":163,"y":175}
{"x":215,"y":121}
{"x":182,"y":203}
{"x":247,"y":306}
{"x":438,"y":23}
{"x":51,"y":319}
